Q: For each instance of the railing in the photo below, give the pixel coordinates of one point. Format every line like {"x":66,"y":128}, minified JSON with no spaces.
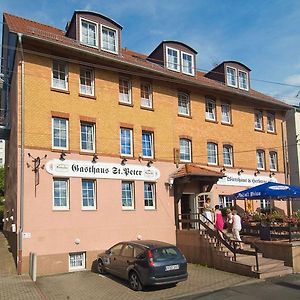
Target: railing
{"x":272,"y":231}
{"x":194,"y":221}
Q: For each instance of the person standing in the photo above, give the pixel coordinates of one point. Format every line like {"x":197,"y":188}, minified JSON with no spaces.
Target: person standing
{"x":207,"y":209}
{"x":229,"y":220}
{"x":236,"y":225}
{"x":219,"y":222}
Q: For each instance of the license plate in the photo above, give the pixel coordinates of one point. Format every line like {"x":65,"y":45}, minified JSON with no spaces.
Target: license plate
{"x":173,"y":267}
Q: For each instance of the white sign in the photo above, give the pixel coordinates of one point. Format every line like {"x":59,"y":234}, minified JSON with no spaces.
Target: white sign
{"x":26,"y":235}
{"x":88,"y":169}
{"x":244,"y":180}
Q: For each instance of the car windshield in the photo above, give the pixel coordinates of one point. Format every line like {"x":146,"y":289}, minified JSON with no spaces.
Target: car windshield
{"x":164,"y":254}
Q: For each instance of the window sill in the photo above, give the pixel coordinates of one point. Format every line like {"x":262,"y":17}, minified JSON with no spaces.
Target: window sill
{"x":147,"y":108}
{"x":126,"y":104}
{"x":259,"y":130}
{"x":60,"y":209}
{"x":59,"y":90}
{"x":88,"y":209}
{"x":150,"y":209}
{"x":128,"y":209}
{"x":271,"y":132}
{"x":184,"y":116}
{"x":212,"y":165}
{"x":185,"y":161}
{"x":60,"y":150}
{"x":227,"y":124}
{"x":211,"y":121}
{"x":90,"y":153}
{"x":87,"y":96}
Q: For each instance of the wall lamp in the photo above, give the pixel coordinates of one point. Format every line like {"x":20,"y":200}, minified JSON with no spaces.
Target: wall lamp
{"x":62,"y":156}
{"x":271,"y":174}
{"x":240,"y":171}
{"x":95,"y":157}
{"x":123,"y":161}
{"x":223,"y":169}
{"x":149,"y":163}
{"x":256,"y":172}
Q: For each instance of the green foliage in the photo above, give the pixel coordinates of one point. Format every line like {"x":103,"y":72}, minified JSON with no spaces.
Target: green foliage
{"x":2,"y":181}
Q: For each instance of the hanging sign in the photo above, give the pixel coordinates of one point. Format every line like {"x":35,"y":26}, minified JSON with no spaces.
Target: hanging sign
{"x":244,"y":180}
{"x":87,"y":169}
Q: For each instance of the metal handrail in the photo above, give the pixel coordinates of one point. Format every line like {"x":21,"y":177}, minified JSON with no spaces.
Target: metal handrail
{"x":228,"y":242}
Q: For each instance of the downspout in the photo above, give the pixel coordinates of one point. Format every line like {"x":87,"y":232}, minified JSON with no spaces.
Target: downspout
{"x":20,"y":240}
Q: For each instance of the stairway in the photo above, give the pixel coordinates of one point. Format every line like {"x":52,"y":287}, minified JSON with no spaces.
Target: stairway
{"x":7,"y":263}
{"x":245,"y":264}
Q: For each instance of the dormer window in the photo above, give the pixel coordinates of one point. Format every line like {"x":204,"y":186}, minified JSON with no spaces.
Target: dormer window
{"x":88,"y":33}
{"x":231,"y":76}
{"x":187,"y":63}
{"x":243,"y":80}
{"x":173,"y":59}
{"x":109,"y":39}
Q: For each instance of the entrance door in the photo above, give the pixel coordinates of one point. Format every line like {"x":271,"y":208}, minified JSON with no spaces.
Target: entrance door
{"x":188,"y":208}
{"x":200,"y":200}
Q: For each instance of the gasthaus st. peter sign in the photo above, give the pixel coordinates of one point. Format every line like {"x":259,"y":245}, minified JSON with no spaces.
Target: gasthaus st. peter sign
{"x":87,"y":169}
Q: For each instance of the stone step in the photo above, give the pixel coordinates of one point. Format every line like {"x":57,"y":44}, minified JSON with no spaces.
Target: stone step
{"x":274,"y":272}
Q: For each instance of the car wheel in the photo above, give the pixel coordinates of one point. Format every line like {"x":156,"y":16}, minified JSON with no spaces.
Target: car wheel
{"x":100,"y":267}
{"x":134,"y":282}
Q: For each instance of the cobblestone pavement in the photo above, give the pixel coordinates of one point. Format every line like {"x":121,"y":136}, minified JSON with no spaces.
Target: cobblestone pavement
{"x":88,"y":285}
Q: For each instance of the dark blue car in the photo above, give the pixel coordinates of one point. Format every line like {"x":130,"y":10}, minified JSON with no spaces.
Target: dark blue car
{"x":144,"y":263}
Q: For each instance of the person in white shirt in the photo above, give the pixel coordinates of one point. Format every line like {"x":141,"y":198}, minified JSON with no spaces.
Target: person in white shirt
{"x":236,"y":225}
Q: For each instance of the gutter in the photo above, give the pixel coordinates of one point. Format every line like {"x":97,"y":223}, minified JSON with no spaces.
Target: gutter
{"x":276,"y":102}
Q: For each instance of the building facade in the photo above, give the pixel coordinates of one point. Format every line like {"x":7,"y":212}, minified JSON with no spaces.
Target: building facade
{"x":107,"y":144}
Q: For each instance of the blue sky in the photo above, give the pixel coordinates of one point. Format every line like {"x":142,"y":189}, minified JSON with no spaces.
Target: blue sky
{"x":264,"y":35}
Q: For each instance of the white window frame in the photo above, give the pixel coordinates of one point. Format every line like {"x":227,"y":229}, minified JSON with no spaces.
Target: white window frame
{"x":83,"y":267}
{"x":153,"y":191}
{"x":228,"y":115}
{"x":224,"y":200}
{"x":258,"y":151}
{"x":256,"y":112}
{"x":181,"y":98}
{"x":67,"y":207}
{"x":132,"y":207}
{"x":66,"y":75}
{"x":144,"y":100}
{"x":207,"y":113}
{"x":270,"y":116}
{"x":168,"y":62}
{"x":89,"y":207}
{"x":265,"y":204}
{"x":116,"y":39}
{"x":151,"y":135}
{"x":131,"y":142}
{"x":182,"y":64}
{"x":84,"y":85}
{"x":227,"y":76}
{"x":124,"y":79}
{"x":97,"y":33}
{"x":216,"y":154}
{"x":67,"y":134}
{"x":93,"y":126}
{"x":275,"y":161}
{"x":189,"y":143}
{"x":230,"y":153}
{"x":247,"y":80}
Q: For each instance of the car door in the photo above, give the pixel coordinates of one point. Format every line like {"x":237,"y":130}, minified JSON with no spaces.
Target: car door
{"x":126,"y":260}
{"x":112,"y":259}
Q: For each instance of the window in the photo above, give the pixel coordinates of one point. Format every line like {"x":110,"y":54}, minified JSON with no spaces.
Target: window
{"x":243,"y":80}
{"x":227,"y":156}
{"x":258,"y":120}
{"x":88,"y":194}
{"x":225,"y":201}
{"x":210,"y":109}
{"x":89,"y":33}
{"x":149,"y":195}
{"x":273,"y":161}
{"x":187,"y":62}
{"x":147,"y":144}
{"x":226,"y":114}
{"x":260,"y":158}
{"x":128,"y":251}
{"x":265,"y":204}
{"x":270,"y":122}
{"x":212,"y":153}
{"x":109,"y":39}
{"x":87,"y":137}
{"x":60,"y":194}
{"x":127,"y":195}
{"x":59,"y":133}
{"x":59,"y":75}
{"x":185,"y":150}
{"x":116,"y":250}
{"x":76,"y":261}
{"x":124,"y":91}
{"x":183,"y":104}
{"x":86,"y":81}
{"x":231,"y":76}
{"x":126,"y":141}
{"x":173,"y":59}
{"x":146,"y":95}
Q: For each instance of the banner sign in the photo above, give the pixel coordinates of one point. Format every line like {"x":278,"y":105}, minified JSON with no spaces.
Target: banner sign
{"x":244,"y":180}
{"x":88,"y":169}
